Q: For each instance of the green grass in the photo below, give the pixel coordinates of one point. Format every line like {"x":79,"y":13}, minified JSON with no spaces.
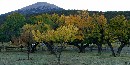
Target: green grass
{"x":67,"y":58}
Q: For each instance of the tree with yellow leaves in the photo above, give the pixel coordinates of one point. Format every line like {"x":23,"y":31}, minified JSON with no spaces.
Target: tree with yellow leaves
{"x":83,"y":21}
{"x":60,"y":35}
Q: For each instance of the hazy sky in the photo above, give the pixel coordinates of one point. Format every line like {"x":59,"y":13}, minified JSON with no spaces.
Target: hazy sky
{"x":98,"y":5}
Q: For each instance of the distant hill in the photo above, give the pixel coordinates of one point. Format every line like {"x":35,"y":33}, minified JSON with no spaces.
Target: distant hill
{"x":39,"y":7}
{"x":36,"y":8}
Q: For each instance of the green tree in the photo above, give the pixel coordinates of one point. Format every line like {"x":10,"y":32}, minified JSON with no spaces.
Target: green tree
{"x":100,"y":23}
{"x":119,"y":27}
{"x":12,"y":25}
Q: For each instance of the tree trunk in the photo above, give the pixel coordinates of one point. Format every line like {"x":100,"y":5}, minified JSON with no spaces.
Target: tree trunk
{"x":123,"y":43}
{"x":2,"y":47}
{"x":82,"y":49}
{"x":75,"y":43}
{"x":109,"y":44}
{"x":120,"y":48}
{"x":95,"y":41}
{"x":79,"y":47}
{"x":50,"y":47}
{"x":99,"y":48}
{"x":87,"y":45}
{"x":91,"y":48}
{"x":21,"y":48}
{"x":102,"y":37}
{"x":28,"y":50}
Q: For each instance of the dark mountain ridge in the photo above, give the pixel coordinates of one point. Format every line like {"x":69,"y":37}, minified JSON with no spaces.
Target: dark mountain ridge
{"x":39,"y":7}
{"x":36,"y":8}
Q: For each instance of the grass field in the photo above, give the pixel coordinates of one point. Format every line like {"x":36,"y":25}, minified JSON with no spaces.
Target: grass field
{"x":67,"y":58}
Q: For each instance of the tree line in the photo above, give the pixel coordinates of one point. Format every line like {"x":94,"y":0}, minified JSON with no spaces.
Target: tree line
{"x":80,"y":30}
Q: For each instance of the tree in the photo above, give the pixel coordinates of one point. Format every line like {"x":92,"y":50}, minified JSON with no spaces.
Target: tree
{"x":60,"y":35}
{"x":109,"y":38}
{"x":12,"y":25}
{"x":100,"y":23}
{"x":45,"y":19}
{"x":3,"y":36}
{"x":119,"y":27}
{"x":81,"y":21}
{"x":57,"y":37}
{"x":27,"y":37}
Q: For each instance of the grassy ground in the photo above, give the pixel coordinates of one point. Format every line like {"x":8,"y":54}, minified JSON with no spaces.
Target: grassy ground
{"x":67,"y":58}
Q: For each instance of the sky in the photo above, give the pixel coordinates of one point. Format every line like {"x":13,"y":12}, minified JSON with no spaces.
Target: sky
{"x":91,"y":5}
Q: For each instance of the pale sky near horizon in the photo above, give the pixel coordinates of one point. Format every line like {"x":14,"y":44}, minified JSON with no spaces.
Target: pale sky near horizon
{"x":92,"y":5}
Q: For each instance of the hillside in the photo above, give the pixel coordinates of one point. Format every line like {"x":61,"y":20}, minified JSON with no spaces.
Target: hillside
{"x":36,"y":8}
{"x":39,"y":7}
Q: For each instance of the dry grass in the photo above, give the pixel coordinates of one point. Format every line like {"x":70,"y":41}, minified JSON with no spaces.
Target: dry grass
{"x":67,"y":58}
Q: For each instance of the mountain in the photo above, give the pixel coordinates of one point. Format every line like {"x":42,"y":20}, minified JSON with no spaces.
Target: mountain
{"x":39,"y":7}
{"x":36,"y":8}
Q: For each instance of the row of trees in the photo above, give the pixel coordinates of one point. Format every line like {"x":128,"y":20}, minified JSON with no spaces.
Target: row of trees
{"x":79,"y":30}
